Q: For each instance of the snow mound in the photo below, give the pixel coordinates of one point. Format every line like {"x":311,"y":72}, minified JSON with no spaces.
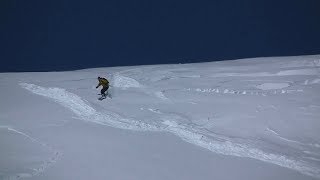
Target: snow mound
{"x":316,"y":62}
{"x":315,"y":81}
{"x":63,"y":97}
{"x":84,"y":111}
{"x":125,"y":82}
{"x":268,"y":86}
{"x":160,"y":95}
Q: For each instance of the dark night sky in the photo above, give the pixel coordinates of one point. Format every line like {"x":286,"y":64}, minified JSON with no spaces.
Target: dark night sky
{"x":44,"y":35}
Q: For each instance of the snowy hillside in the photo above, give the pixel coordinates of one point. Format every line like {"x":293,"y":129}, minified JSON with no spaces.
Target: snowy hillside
{"x":244,"y":119}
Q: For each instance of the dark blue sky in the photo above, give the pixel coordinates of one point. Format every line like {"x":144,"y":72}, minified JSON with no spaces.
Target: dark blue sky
{"x":44,"y":35}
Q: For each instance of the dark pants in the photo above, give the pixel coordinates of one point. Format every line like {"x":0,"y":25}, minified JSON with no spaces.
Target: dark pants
{"x":104,"y":89}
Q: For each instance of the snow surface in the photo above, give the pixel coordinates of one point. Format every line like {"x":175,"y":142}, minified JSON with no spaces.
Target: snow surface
{"x":243,"y":119}
{"x":268,"y":86}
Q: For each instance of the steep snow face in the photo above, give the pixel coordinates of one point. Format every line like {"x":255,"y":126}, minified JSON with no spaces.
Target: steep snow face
{"x":262,"y":109}
{"x":194,"y":135}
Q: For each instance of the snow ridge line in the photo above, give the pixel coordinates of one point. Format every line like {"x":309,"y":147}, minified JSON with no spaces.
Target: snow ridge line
{"x":289,"y":72}
{"x":244,"y":92}
{"x":46,"y":163}
{"x":192,"y":135}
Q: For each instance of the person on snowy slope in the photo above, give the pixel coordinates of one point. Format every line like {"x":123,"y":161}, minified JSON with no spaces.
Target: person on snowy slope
{"x":105,"y":85}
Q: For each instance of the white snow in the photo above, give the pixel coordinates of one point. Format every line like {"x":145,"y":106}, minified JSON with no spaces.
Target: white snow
{"x":315,"y":81}
{"x":268,"y":86}
{"x":219,"y":120}
{"x":125,"y":82}
{"x":310,"y":71}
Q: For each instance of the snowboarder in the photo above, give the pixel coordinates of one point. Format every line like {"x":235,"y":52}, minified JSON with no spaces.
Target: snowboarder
{"x":105,"y":86}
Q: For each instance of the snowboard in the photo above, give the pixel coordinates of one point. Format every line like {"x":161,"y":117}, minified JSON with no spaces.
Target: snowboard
{"x":104,"y":97}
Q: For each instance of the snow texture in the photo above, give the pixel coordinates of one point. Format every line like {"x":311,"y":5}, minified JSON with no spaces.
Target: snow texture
{"x":228,"y":108}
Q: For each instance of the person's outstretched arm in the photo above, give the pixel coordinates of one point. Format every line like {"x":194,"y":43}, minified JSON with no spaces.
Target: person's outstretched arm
{"x":99,"y":84}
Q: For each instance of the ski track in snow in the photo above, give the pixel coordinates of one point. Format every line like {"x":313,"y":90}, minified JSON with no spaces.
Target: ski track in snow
{"x":217,"y":144}
{"x":290,"y":140}
{"x":46,"y":163}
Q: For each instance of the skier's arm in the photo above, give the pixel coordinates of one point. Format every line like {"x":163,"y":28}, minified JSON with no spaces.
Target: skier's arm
{"x":98,"y":85}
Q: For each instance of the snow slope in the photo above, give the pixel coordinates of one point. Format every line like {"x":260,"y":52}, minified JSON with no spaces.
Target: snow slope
{"x":244,"y":119}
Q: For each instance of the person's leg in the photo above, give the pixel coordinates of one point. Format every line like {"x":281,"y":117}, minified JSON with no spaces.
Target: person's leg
{"x":103,"y":90}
